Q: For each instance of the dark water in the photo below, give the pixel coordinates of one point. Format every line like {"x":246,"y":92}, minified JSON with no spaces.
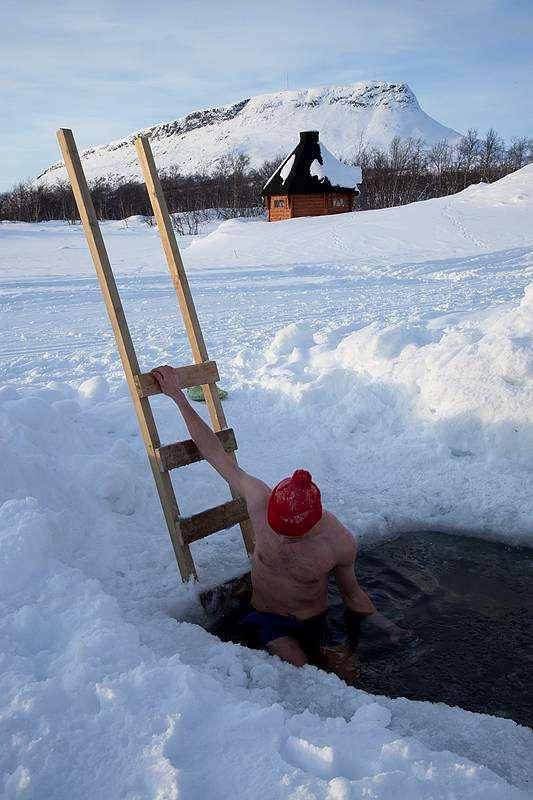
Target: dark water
{"x":470,"y":602}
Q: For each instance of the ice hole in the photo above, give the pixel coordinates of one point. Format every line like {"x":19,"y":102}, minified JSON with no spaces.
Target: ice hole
{"x":469,"y":601}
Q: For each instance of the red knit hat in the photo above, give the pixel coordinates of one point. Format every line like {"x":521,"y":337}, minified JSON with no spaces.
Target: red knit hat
{"x":294,"y":506}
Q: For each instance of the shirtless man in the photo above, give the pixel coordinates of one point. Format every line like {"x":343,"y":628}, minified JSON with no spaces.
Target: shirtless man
{"x":297,"y":546}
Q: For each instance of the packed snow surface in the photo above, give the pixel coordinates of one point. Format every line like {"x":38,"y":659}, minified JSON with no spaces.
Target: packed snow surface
{"x":389,"y":352}
{"x":337,"y":173}
{"x":267,"y":127}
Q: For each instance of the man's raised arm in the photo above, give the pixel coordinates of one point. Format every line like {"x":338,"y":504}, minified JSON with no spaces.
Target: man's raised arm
{"x":206,"y":441}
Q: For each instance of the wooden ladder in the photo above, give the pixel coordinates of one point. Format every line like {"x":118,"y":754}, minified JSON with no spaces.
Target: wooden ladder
{"x":182,"y":530}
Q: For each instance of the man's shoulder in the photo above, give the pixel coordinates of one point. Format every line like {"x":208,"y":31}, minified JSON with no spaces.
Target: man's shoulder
{"x":342,"y":540}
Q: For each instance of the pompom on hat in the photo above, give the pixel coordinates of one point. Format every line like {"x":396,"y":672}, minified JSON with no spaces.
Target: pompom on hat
{"x":295,"y":505}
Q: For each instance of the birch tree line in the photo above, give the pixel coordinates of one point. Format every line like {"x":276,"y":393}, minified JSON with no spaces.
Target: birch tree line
{"x":407,"y":171}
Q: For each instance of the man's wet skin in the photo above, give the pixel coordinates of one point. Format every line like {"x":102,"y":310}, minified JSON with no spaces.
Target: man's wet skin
{"x":290,"y":577}
{"x":297,"y":547}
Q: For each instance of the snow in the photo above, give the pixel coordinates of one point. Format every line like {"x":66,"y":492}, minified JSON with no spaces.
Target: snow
{"x":335,"y":171}
{"x":389,"y":353}
{"x":285,"y":170}
{"x":93,"y":389}
{"x":266,"y":127}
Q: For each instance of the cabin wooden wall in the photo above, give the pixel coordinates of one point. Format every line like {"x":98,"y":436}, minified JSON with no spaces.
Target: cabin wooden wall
{"x":333,"y":202}
{"x":309,"y":205}
{"x":276,"y":213}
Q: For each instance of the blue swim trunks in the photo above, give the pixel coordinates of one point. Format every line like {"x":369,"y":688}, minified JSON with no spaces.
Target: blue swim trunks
{"x":264,"y":627}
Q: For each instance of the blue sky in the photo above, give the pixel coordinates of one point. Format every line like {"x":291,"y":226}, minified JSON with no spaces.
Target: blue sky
{"x":105,"y":69}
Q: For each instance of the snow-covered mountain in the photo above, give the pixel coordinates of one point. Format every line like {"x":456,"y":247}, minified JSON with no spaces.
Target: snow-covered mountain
{"x":266,"y":127}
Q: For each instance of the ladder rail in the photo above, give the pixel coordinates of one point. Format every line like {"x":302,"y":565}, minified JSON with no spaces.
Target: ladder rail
{"x":125,"y":347}
{"x":185,"y":300}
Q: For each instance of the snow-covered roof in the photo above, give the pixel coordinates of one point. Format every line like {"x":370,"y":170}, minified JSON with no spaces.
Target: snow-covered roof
{"x":312,"y":168}
{"x":286,"y":168}
{"x":334,"y":171}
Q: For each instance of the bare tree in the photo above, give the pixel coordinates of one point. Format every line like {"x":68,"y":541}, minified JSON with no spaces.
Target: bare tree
{"x":404,"y":173}
{"x":519,"y":153}
{"x":468,"y":150}
{"x":491,"y":154}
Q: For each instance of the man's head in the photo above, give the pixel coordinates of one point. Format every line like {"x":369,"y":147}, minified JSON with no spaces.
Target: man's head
{"x":294,"y":506}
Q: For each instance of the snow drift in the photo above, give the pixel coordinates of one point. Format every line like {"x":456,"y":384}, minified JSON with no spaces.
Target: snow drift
{"x":389,"y":352}
{"x":430,"y":423}
{"x":385,"y":243}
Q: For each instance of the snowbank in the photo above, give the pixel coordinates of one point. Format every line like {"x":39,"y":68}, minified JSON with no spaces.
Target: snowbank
{"x":89,"y":711}
{"x":393,"y":362}
{"x":386,"y":243}
{"x":414,"y":425}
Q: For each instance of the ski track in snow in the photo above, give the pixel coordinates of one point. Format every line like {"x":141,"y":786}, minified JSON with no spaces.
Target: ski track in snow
{"x":390,"y":352}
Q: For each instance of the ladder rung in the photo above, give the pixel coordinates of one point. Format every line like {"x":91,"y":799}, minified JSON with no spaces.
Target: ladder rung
{"x":172,"y":456}
{"x":193,"y":375}
{"x":212,"y":520}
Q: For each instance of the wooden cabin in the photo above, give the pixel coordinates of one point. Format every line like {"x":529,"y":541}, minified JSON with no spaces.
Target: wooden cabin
{"x":311,"y":182}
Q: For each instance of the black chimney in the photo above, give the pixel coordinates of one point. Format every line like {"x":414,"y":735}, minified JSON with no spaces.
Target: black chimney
{"x":309,"y":136}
